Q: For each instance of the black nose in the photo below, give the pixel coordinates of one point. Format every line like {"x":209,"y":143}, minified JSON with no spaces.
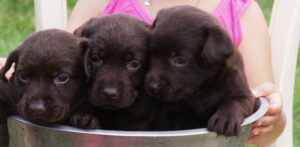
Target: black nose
{"x":37,"y":106}
{"x":110,"y":92}
{"x":155,"y":84}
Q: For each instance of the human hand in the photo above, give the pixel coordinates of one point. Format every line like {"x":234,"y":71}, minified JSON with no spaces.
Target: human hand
{"x":265,"y":124}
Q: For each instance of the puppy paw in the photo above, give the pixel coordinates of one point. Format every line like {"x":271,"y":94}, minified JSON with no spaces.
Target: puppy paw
{"x":85,"y":121}
{"x":225,"y":124}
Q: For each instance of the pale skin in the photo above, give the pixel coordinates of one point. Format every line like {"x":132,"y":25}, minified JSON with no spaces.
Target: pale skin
{"x":255,"y":50}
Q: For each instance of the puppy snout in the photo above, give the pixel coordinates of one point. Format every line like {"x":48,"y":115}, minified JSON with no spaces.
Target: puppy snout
{"x":37,"y":106}
{"x":110,"y":92}
{"x":154,"y":85}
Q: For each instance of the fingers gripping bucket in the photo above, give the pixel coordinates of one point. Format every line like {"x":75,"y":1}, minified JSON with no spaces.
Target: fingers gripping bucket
{"x":25,"y":134}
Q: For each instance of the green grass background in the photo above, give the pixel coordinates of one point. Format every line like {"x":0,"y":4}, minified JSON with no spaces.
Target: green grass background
{"x":17,"y":22}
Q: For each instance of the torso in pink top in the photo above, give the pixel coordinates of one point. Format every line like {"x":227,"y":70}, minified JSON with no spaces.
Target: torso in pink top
{"x":228,"y":13}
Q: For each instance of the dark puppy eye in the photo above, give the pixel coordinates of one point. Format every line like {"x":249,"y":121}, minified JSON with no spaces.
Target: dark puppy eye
{"x":95,"y":59}
{"x":178,"y":61}
{"x":62,"y":78}
{"x":23,"y":77}
{"x":133,"y":65}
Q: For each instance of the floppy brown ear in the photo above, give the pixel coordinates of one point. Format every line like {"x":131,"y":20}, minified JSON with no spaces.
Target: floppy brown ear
{"x":157,"y":17}
{"x":78,"y":31}
{"x":217,"y":46}
{"x":87,"y":67}
{"x":12,"y":58}
{"x":85,"y":47}
{"x":83,"y":30}
{"x":154,"y":23}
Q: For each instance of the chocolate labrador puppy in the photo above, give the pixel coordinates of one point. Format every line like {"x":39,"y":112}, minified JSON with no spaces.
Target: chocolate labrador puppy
{"x":49,"y":77}
{"x":195,"y":66}
{"x":115,"y":65}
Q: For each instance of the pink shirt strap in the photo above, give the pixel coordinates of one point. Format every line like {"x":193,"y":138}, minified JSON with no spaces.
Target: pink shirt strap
{"x":228,"y":12}
{"x":130,"y":7}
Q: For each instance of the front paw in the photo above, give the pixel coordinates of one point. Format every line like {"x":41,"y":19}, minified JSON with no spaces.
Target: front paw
{"x":227,"y":124}
{"x":84,"y":121}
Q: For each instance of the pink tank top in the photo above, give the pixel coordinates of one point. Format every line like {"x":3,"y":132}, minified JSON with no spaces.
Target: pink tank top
{"x":228,"y":13}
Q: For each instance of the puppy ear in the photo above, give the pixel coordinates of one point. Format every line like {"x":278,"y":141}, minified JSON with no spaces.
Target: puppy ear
{"x":83,"y":30}
{"x":12,"y":58}
{"x":85,"y":47}
{"x":154,"y":23}
{"x":84,"y":44}
{"x":78,"y":31}
{"x":157,"y":17}
{"x":87,"y":67}
{"x":217,"y":46}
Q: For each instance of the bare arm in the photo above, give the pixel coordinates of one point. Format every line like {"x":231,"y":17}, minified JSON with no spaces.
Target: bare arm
{"x":256,"y":52}
{"x":2,"y":62}
{"x":83,"y":11}
{"x":11,"y":70}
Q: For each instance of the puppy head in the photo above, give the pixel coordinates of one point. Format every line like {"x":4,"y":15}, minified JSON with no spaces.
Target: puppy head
{"x":117,"y":59}
{"x":188,"y":49}
{"x":49,"y":75}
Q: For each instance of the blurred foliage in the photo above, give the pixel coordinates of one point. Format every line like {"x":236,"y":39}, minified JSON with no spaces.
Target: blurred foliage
{"x":16,"y":22}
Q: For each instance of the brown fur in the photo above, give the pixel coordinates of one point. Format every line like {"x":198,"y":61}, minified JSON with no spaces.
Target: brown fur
{"x":193,"y":62}
{"x":119,"y":43}
{"x":48,"y":79}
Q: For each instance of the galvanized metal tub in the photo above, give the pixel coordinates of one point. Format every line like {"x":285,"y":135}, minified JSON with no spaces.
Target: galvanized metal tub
{"x":26,"y":134}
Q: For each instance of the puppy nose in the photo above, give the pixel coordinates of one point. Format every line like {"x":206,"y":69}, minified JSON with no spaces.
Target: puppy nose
{"x":155,"y":85}
{"x":110,"y":92}
{"x":37,"y":106}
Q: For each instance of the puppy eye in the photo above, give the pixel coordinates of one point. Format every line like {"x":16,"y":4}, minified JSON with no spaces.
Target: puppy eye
{"x":61,"y":79}
{"x":23,"y":77}
{"x":96,"y":60}
{"x":133,"y":65}
{"x":178,"y":61}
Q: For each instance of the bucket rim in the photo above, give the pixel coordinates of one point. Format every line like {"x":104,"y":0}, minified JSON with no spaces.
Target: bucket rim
{"x":261,"y":111}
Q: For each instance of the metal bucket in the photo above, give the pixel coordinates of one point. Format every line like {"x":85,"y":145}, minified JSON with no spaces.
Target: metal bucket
{"x":26,"y":134}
